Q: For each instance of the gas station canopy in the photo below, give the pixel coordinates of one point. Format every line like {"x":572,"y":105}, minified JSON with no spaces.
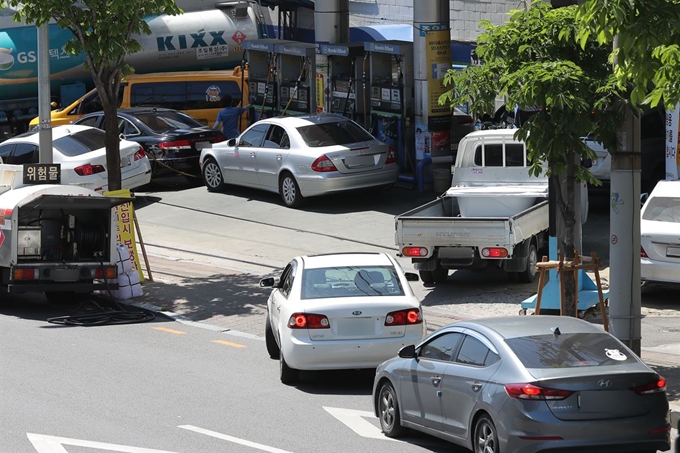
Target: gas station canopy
{"x":288,"y":4}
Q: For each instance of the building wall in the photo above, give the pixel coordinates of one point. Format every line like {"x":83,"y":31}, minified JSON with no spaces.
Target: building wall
{"x":465,"y":14}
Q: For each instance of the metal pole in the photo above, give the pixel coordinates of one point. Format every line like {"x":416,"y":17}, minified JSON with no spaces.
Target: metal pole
{"x":625,"y":311}
{"x":44,"y":107}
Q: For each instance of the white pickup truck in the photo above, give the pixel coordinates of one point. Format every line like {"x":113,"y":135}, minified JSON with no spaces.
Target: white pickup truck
{"x":494,"y":214}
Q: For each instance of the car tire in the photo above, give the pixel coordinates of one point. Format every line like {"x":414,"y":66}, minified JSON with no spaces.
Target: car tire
{"x":289,"y":376}
{"x":290,"y":191}
{"x":485,"y":439}
{"x":528,"y":275}
{"x":270,"y":341}
{"x":212,"y":176}
{"x":388,"y":411}
{"x":438,"y":275}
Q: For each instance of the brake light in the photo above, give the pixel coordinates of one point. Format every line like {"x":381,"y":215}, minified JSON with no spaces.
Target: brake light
{"x":404,"y":317}
{"x":534,"y":392}
{"x":391,"y":156}
{"x":177,"y":144}
{"x":106,"y":272}
{"x":323,"y":164}
{"x":22,"y":273}
{"x":308,"y":321}
{"x":414,"y":251}
{"x":494,"y":252}
{"x":657,"y":386}
{"x":89,"y":169}
{"x":643,"y":254}
{"x":141,"y":154}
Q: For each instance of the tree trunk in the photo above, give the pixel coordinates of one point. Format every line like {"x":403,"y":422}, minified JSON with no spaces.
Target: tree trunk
{"x":108,"y":94}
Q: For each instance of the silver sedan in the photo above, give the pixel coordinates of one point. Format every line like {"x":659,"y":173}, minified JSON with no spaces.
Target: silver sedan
{"x":525,"y":384}
{"x":300,"y":157}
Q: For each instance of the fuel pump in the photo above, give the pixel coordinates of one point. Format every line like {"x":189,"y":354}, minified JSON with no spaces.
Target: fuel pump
{"x":297,"y":74}
{"x":346,"y":95}
{"x":391,"y":94}
{"x":262,"y":77}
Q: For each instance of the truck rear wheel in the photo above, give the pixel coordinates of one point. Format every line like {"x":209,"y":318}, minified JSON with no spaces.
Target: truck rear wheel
{"x":439,"y":274}
{"x":528,"y":275}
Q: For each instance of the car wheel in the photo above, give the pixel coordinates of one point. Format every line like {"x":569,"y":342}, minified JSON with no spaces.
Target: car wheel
{"x":388,"y":411}
{"x":212,"y":176}
{"x":486,"y":439}
{"x":290,"y":191}
{"x":440,"y":274}
{"x":270,"y":341}
{"x":289,"y":376}
{"x":529,"y":274}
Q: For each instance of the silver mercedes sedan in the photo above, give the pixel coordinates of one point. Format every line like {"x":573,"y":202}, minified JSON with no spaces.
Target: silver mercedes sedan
{"x":300,"y":157}
{"x":525,"y":384}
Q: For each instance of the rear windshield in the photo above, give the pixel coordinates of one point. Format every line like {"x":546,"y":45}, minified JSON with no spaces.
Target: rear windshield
{"x":362,"y":281}
{"x":570,"y":350}
{"x":336,"y":133}
{"x":81,"y":142}
{"x":167,"y":121}
{"x":662,"y":209}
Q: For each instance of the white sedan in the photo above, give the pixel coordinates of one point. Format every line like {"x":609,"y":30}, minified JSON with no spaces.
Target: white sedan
{"x":81,"y":153}
{"x":340,"y":311}
{"x":660,"y":234}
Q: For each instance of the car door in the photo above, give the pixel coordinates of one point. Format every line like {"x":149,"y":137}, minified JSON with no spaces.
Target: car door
{"x":280,"y":295}
{"x":241,"y":161}
{"x":466,"y":378}
{"x":421,"y":390}
{"x":24,"y":153}
{"x":5,"y":152}
{"x":271,"y":156}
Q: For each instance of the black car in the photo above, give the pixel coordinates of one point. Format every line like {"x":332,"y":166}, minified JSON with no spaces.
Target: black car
{"x":173,"y":140}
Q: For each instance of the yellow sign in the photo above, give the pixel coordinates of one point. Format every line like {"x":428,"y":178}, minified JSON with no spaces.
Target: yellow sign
{"x":125,"y":229}
{"x":319,"y":93}
{"x":438,"y":56}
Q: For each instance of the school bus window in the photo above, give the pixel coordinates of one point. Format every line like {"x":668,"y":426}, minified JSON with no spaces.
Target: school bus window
{"x":170,"y":95}
{"x":207,"y":94}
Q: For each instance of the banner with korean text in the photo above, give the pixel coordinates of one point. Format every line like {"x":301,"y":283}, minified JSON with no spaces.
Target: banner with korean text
{"x":672,"y":143}
{"x":125,"y":228}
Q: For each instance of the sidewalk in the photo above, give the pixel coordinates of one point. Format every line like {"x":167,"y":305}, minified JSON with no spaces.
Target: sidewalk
{"x":185,"y":290}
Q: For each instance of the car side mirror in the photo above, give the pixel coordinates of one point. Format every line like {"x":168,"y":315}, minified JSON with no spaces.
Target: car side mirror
{"x":408,"y":352}
{"x":411,"y":277}
{"x":643,"y":198}
{"x":267,"y":282}
{"x":231,"y":142}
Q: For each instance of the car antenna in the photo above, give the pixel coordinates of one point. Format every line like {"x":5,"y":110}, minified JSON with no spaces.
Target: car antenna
{"x":556,"y":331}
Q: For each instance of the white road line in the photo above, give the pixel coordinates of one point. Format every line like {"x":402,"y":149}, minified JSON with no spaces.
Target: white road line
{"x":53,"y":444}
{"x":235,"y":440}
{"x":356,"y":421}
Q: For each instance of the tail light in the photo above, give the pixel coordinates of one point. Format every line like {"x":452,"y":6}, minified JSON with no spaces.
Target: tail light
{"x":107,"y":272}
{"x":219,"y":138}
{"x":23,"y":273}
{"x":414,"y":251}
{"x":404,"y":317}
{"x":657,"y":386}
{"x":391,"y":156}
{"x":534,"y":392}
{"x":308,"y":321}
{"x":494,"y":252}
{"x":323,"y":164}
{"x":643,"y":254}
{"x":141,"y":154}
{"x":89,"y":169}
{"x":177,"y":144}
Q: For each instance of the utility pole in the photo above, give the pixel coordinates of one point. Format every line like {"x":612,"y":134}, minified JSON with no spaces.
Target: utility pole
{"x":44,"y":107}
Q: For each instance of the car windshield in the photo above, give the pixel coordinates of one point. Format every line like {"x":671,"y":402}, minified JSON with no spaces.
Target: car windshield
{"x":662,"y":209}
{"x":350,"y":281}
{"x":335,"y":133}
{"x":167,"y":121}
{"x":569,"y":350}
{"x":81,"y":142}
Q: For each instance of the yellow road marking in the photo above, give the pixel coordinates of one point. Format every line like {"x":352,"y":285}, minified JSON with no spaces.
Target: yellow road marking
{"x":165,"y":329}
{"x":229,"y":343}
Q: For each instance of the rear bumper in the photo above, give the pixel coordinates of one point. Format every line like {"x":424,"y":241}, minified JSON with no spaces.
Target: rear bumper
{"x":657,"y":271}
{"x":84,"y":287}
{"x":136,"y":180}
{"x":326,"y":183}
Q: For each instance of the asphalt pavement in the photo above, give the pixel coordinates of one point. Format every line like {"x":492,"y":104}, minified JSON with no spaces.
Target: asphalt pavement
{"x":226,"y":297}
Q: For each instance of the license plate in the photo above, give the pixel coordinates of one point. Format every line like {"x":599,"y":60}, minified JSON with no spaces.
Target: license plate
{"x":673,"y":251}
{"x":359,"y":326}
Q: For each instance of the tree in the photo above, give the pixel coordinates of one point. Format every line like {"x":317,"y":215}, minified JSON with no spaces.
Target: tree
{"x":534,"y":59}
{"x":102,"y":30}
{"x":648,"y":50}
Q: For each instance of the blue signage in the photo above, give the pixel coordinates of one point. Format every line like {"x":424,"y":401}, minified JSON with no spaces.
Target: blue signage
{"x":327,"y":49}
{"x":382,"y":48}
{"x":261,"y":46}
{"x":424,"y":28}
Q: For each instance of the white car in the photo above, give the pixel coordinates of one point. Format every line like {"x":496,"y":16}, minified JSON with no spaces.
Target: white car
{"x":340,"y":311}
{"x":660,"y":234}
{"x":81,"y":152}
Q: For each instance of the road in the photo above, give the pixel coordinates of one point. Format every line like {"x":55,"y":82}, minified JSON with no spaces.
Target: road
{"x":165,"y":386}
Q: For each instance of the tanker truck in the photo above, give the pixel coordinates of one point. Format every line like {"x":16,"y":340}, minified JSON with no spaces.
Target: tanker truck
{"x":194,"y":41}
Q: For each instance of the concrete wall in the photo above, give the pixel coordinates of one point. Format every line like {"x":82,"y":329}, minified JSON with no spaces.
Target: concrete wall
{"x":465,"y":14}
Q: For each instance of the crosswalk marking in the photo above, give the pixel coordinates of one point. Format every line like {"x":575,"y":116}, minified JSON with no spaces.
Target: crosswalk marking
{"x":165,"y":329}
{"x":53,"y":444}
{"x":235,"y":440}
{"x":356,"y":421}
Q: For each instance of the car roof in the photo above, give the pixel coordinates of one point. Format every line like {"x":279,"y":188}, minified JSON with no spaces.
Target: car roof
{"x":666,"y":189}
{"x":57,"y":132}
{"x":134,"y":110}
{"x":346,"y":259}
{"x":306,"y":120}
{"x":525,"y":326}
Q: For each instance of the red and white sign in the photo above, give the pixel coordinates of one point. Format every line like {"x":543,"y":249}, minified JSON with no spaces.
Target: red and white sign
{"x":239,"y":37}
{"x":2,"y":237}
